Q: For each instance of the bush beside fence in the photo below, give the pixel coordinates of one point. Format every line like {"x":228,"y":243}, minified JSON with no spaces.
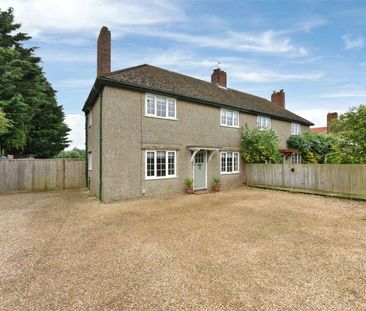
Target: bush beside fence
{"x":345,"y":179}
{"x":41,"y":174}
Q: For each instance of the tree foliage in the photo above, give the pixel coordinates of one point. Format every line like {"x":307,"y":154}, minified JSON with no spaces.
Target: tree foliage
{"x":4,"y":123}
{"x":316,"y":148}
{"x":351,"y":130}
{"x":259,"y":146}
{"x":36,"y":120}
{"x":72,"y":154}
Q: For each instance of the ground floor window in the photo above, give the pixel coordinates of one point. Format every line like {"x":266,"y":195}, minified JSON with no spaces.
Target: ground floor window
{"x":296,"y":158}
{"x":160,"y":164}
{"x":229,"y":162}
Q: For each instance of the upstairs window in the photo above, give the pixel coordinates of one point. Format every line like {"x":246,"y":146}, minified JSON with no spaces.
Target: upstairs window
{"x":229,"y":118}
{"x":263,"y":123}
{"x":160,"y":107}
{"x":295,"y":129}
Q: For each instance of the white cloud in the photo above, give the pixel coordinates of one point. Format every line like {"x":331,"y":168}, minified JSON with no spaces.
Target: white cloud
{"x":316,"y":115}
{"x":76,"y":122}
{"x":43,"y":16}
{"x":74,"y":83}
{"x":311,"y":23}
{"x":352,"y":41}
{"x":46,"y":20}
{"x":245,"y":74}
{"x":344,"y":94}
{"x":238,"y":69}
{"x":265,"y":42}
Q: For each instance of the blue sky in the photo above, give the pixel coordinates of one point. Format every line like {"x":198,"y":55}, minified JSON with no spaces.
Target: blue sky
{"x":314,"y":50}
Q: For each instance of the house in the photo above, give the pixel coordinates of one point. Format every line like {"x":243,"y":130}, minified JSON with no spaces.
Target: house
{"x":148,"y":129}
{"x":331,"y":116}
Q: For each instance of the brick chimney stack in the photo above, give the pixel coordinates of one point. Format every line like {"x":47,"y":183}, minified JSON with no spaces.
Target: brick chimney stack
{"x":104,"y":52}
{"x":219,"y":77}
{"x":278,"y":98}
{"x":331,"y":116}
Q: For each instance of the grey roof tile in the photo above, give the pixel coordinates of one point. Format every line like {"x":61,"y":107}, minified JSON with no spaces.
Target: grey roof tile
{"x":175,"y":83}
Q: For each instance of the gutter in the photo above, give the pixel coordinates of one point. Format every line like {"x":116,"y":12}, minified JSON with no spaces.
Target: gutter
{"x":100,"y":81}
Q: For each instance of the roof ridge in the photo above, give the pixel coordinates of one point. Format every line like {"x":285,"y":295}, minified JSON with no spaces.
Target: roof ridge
{"x":126,"y":69}
{"x":209,"y":83}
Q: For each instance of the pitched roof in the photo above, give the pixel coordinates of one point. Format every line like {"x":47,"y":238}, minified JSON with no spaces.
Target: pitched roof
{"x":319,"y":130}
{"x":154,"y":78}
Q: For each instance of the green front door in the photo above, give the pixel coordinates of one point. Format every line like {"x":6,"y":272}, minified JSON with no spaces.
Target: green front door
{"x":199,"y":170}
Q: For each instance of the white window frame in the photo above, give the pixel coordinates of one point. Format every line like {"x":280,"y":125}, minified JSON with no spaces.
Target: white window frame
{"x":90,"y":161}
{"x":295,"y":128}
{"x":296,"y":158}
{"x":235,"y":116}
{"x":167,"y":101}
{"x":166,"y":165}
{"x":264,"y":123}
{"x":238,"y":164}
{"x":90,"y":118}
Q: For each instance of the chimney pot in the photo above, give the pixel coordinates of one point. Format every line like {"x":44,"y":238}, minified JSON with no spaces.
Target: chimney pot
{"x":104,"y":52}
{"x":219,"y":77}
{"x":278,"y":98}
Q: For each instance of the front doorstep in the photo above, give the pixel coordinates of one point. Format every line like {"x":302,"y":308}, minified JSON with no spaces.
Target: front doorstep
{"x":201,"y":191}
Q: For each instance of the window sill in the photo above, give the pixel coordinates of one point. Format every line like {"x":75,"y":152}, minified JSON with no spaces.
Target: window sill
{"x":160,"y":178}
{"x":230,"y":173}
{"x":229,"y":126}
{"x":163,"y":118}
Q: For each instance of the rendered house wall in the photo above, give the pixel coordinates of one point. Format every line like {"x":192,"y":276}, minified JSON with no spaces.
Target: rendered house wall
{"x":127,"y":133}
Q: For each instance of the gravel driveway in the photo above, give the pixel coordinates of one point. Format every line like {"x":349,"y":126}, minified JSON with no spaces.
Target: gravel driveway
{"x":245,"y":249}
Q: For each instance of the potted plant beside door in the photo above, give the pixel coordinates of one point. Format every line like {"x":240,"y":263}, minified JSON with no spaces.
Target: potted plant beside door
{"x":189,"y":185}
{"x":216,"y":184}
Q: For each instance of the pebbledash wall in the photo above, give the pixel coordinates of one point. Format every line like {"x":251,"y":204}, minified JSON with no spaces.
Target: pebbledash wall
{"x":127,"y":133}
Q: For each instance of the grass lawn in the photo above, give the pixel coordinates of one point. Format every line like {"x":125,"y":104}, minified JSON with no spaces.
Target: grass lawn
{"x":244,"y":249}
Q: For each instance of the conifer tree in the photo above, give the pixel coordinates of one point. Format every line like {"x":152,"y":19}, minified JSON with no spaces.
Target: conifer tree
{"x":28,"y":100}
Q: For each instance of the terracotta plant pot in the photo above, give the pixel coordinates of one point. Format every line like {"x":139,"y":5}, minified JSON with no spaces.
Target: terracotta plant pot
{"x":189,"y":190}
{"x":216,"y":188}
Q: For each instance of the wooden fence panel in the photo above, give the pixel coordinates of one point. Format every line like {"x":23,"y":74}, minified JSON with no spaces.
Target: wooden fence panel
{"x":333,"y":178}
{"x":74,"y":174}
{"x":41,"y":174}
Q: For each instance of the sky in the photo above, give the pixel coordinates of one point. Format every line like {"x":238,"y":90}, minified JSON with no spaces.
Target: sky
{"x":314,"y":50}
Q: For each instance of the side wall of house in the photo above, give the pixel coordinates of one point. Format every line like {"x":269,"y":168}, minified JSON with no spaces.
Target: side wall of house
{"x":122,"y":162}
{"x":93,"y":147}
{"x":128,"y":133}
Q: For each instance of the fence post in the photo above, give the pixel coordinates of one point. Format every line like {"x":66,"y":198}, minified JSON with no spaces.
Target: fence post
{"x":63,"y":174}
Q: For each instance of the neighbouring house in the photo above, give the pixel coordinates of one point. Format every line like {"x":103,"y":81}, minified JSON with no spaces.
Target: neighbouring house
{"x":331,"y":116}
{"x":148,"y":129}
